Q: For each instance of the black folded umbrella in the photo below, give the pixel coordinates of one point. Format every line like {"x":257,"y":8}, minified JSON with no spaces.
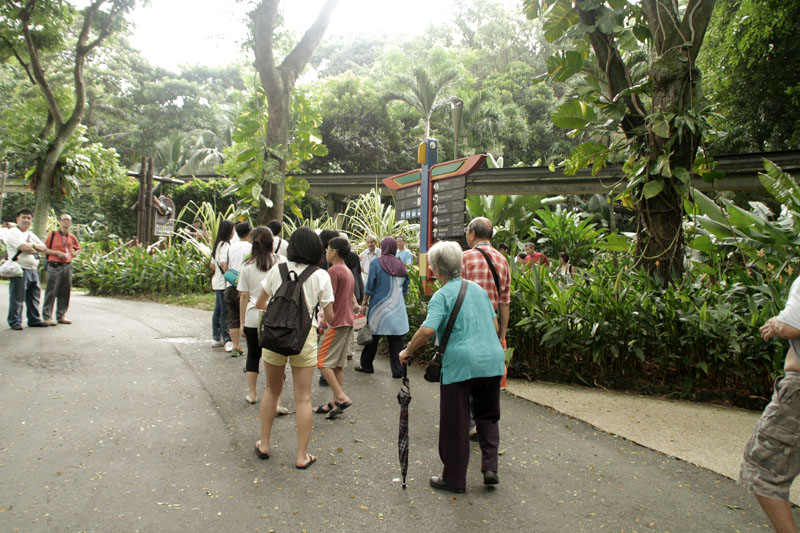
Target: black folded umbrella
{"x":403,"y":398}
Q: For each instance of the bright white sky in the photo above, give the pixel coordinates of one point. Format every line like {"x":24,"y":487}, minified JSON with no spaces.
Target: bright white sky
{"x":171,"y":33}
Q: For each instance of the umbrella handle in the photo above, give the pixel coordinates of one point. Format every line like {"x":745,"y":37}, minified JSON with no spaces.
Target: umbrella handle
{"x":405,"y":371}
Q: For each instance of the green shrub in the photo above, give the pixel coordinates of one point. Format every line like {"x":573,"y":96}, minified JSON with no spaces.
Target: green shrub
{"x":199,"y":191}
{"x":618,"y":328}
{"x":178,"y":269}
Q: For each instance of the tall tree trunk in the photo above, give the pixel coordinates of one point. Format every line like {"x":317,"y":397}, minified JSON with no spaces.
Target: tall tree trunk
{"x":279,"y":101}
{"x":278,"y":82}
{"x":675,"y":90}
{"x":44,"y":191}
{"x":677,"y":37}
{"x":64,"y":128}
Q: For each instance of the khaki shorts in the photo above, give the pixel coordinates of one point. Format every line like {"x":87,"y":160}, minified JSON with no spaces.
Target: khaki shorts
{"x":306,"y":357}
{"x":335,"y":346}
{"x":772,"y":456}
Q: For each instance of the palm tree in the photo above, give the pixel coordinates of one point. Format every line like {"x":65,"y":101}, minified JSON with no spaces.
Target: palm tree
{"x":424,"y":93}
{"x":182,"y":153}
{"x":481,"y":121}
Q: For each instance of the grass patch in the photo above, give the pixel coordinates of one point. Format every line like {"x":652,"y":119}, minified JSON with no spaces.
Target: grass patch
{"x":200,"y":300}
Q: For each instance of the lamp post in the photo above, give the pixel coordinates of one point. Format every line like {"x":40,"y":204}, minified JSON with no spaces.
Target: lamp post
{"x":456,"y":107}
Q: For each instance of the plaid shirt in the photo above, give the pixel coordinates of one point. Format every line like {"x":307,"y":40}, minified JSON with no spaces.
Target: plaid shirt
{"x":475,"y":268}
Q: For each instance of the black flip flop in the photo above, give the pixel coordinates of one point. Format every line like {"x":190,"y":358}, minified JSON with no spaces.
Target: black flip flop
{"x":333,"y":413}
{"x":311,"y":461}
{"x":261,"y":455}
{"x":343,"y":405}
{"x":324,"y":409}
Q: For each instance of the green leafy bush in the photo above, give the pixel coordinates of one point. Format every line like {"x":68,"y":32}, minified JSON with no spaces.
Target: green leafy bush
{"x":178,"y":269}
{"x":619,"y":328}
{"x":198,"y":192}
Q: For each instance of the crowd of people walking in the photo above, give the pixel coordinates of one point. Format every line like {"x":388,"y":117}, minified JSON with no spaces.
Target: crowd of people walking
{"x":468,"y":316}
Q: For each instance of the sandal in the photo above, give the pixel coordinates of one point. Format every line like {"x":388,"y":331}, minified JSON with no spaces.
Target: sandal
{"x":344,"y":405}
{"x":311,"y":461}
{"x":333,"y":413}
{"x":325,"y":408}
{"x":261,"y":455}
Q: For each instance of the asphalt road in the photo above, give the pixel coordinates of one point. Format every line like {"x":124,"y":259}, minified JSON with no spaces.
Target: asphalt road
{"x":127,"y":420}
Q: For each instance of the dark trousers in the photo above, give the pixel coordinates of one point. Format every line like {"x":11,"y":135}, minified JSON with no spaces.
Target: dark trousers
{"x":395,"y":347}
{"x":253,"y":349}
{"x":24,"y":290}
{"x":454,"y":426}
{"x":59,"y":283}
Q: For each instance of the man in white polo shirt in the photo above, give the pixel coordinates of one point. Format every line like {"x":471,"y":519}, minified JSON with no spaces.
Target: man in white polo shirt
{"x":23,"y":247}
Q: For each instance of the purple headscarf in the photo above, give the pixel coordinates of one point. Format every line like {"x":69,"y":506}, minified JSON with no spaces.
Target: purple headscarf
{"x":389,"y":261}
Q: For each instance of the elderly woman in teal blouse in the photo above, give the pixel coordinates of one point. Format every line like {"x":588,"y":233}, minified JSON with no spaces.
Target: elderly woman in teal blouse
{"x":472,"y":366}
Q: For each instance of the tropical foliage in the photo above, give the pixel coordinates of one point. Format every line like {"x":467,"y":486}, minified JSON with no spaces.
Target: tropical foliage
{"x":638,"y":101}
{"x":368,"y":215}
{"x":134,"y":271}
{"x":245,"y":161}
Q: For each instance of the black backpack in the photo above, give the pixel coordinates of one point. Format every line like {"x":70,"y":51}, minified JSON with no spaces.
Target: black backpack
{"x":286,"y":322}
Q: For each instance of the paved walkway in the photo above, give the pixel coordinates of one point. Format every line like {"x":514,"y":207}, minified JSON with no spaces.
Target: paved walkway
{"x":127,"y":420}
{"x":710,"y":436}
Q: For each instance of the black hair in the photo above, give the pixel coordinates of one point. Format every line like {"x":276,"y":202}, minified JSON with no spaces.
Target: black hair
{"x":341,"y":246}
{"x":503,"y":246}
{"x":522,"y":255}
{"x":24,"y":211}
{"x":275,"y":227}
{"x":565,"y":257}
{"x":261,"y":253}
{"x":223,"y":235}
{"x":243,"y":229}
{"x":326,"y":235}
{"x":305,"y":247}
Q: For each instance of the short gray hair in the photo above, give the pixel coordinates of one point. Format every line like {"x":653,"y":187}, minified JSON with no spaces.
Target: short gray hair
{"x":446,"y":257}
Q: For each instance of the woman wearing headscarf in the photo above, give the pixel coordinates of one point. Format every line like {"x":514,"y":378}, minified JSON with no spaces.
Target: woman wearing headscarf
{"x":387,"y":286}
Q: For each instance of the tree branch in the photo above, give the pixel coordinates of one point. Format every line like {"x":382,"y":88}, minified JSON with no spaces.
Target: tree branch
{"x":36,"y":64}
{"x":617,"y":78}
{"x":105,"y":31}
{"x":695,"y":23}
{"x":263,"y":17}
{"x":297,"y":59}
{"x":25,"y":65}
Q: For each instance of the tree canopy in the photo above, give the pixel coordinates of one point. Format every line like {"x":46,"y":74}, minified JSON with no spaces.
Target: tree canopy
{"x":587,"y":83}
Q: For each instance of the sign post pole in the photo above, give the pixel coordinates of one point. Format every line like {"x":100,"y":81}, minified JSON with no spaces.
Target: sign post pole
{"x":435,"y":194}
{"x":426,"y":156}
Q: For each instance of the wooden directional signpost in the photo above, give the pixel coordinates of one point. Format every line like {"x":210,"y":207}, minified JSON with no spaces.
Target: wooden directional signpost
{"x":448,"y":205}
{"x":436,"y":195}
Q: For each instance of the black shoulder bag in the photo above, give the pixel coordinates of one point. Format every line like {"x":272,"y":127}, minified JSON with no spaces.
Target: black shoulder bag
{"x":433,"y":372}
{"x":491,"y":267}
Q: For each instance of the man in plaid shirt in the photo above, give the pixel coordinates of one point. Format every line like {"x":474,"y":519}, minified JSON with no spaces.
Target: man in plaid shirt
{"x":475,"y":268}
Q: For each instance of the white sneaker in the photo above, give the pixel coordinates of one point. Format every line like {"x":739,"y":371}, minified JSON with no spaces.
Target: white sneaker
{"x":229,"y":346}
{"x":217,"y":344}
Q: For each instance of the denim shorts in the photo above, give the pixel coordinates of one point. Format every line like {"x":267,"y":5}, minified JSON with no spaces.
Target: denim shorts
{"x":772,"y":458}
